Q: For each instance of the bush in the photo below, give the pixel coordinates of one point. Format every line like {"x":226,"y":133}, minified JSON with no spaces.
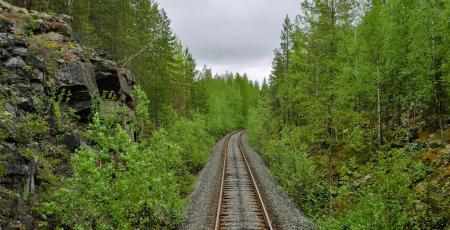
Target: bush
{"x":123,"y":183}
{"x":386,"y":200}
{"x":32,"y":127}
{"x":296,"y":173}
{"x":119,"y":185}
{"x":194,"y":140}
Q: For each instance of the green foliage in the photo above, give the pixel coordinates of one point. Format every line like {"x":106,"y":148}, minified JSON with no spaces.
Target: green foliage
{"x":98,"y":194}
{"x":33,"y":127}
{"x":229,"y":99}
{"x":125,"y":183}
{"x":194,"y":140}
{"x":56,"y":97}
{"x":352,"y":85}
{"x":384,"y":199}
{"x":142,"y":122}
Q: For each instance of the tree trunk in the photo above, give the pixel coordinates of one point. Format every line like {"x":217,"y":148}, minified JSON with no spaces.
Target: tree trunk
{"x":378,"y":106}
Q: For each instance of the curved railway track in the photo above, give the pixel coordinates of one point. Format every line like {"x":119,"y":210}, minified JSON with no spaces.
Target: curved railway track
{"x":240,"y":204}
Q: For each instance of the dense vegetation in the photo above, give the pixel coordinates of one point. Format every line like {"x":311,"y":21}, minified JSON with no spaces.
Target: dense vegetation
{"x":354,"y":124}
{"x":136,"y":171}
{"x":358,"y":103}
{"x":137,"y":33}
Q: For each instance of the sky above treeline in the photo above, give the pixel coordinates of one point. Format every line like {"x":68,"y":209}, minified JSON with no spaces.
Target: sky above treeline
{"x":231,"y":35}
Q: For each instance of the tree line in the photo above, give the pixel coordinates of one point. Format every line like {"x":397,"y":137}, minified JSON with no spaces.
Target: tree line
{"x":137,"y":34}
{"x":354,"y":84}
{"x":379,"y":66}
{"x":143,"y":179}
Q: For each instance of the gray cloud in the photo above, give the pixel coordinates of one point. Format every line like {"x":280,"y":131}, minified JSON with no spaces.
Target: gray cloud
{"x":233,"y":35}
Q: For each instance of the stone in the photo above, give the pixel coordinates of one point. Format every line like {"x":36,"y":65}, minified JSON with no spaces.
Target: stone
{"x":76,"y":74}
{"x":107,"y":82}
{"x":39,"y":27}
{"x":7,"y":40}
{"x":5,"y":26}
{"x":52,"y":36}
{"x":35,"y":62}
{"x":16,"y":77}
{"x":104,"y":65}
{"x":37,"y":76}
{"x":37,"y":14}
{"x":13,"y":8}
{"x":21,"y":51}
{"x":64,"y":17}
{"x":4,"y":55}
{"x":9,"y":148}
{"x":38,"y":88}
{"x":111,"y":78}
{"x":126,"y":88}
{"x":10,"y":109}
{"x":98,"y":54}
{"x":77,"y":77}
{"x":72,"y":142}
{"x":15,"y":62}
{"x":60,"y":27}
{"x":25,"y":104}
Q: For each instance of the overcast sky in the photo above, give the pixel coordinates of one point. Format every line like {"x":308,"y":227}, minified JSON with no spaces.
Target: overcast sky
{"x":233,"y":35}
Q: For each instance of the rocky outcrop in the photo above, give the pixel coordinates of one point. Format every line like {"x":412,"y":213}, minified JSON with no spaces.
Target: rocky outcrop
{"x":36,"y":141}
{"x":111,"y":78}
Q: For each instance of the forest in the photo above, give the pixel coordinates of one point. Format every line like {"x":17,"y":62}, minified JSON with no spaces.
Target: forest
{"x":353,"y":122}
{"x":181,"y":111}
{"x":358,"y":101}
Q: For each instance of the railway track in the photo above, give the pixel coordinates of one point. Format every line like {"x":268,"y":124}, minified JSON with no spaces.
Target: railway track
{"x":240,"y":204}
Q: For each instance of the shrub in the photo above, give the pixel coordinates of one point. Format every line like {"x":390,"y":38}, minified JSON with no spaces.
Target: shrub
{"x":386,"y":201}
{"x":123,"y":183}
{"x":119,"y":185}
{"x":194,"y":140}
{"x":32,"y":127}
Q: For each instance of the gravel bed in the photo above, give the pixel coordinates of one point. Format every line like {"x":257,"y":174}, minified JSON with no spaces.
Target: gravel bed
{"x":203,"y":201}
{"x":201,"y":212}
{"x":282,"y":210}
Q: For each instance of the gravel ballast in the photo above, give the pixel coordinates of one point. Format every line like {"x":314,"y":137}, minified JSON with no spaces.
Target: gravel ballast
{"x":203,"y":201}
{"x":281,"y":208}
{"x":202,"y":209}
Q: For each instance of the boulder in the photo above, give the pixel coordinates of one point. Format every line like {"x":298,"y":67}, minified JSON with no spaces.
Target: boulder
{"x":4,"y":55}
{"x":9,"y":148}
{"x":60,"y":27}
{"x":10,"y":109}
{"x":52,"y":36}
{"x":77,"y":77}
{"x":17,"y":76}
{"x":14,"y":9}
{"x":37,"y":88}
{"x":15,"y":62}
{"x":72,"y":142}
{"x":64,"y":17}
{"x":53,"y":26}
{"x":5,"y":26}
{"x":32,"y":60}
{"x":104,"y":65}
{"x":21,"y":51}
{"x":25,"y":104}
{"x":7,"y":40}
{"x":42,"y":15}
{"x":111,"y":78}
{"x":127,"y":82}
{"x":37,"y":76}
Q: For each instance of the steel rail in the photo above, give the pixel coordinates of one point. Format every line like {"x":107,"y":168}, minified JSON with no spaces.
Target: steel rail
{"x":263,"y":210}
{"x":219,"y":206}
{"x":255,"y":186}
